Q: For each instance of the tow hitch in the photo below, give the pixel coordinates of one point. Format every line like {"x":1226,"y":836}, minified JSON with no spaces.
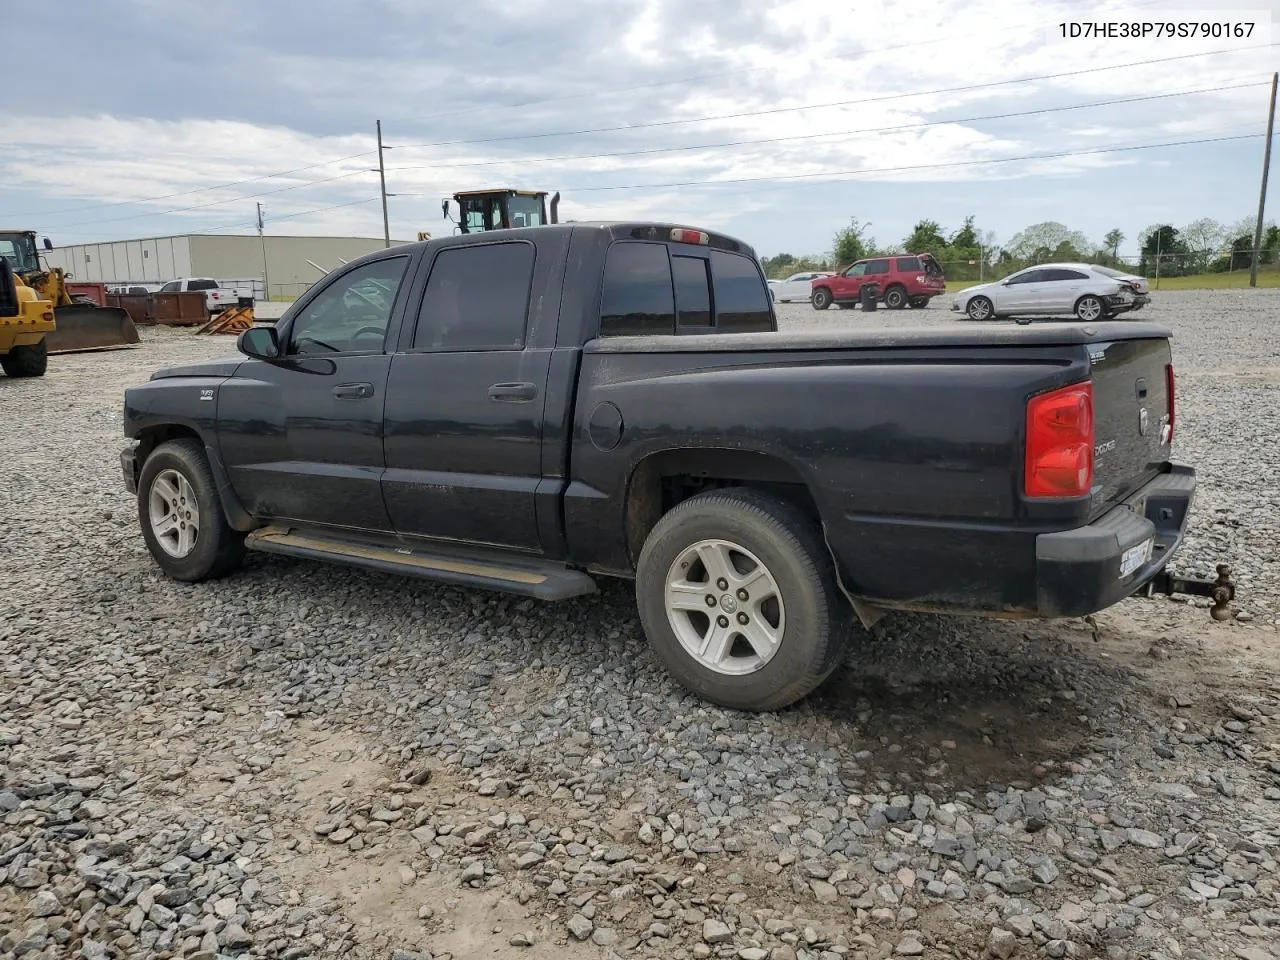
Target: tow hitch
{"x":1221,"y":591}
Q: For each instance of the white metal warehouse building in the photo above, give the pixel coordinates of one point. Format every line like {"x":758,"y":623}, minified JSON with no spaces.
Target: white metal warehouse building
{"x":222,"y":257}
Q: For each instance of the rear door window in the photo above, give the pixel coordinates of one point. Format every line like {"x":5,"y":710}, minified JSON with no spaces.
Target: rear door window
{"x":693,"y":291}
{"x":637,"y":299}
{"x":202,"y":285}
{"x":741,"y":295}
{"x":477,"y":298}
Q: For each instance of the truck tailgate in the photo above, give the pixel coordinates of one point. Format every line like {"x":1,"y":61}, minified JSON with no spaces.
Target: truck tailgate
{"x":1133,"y":415}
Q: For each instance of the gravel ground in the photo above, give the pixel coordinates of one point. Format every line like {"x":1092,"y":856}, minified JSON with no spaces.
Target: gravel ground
{"x":309,"y":761}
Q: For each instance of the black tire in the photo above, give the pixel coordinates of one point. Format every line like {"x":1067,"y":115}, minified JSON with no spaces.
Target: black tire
{"x":980,"y":308}
{"x":218,"y":549}
{"x":1087,"y":305}
{"x":895,"y":298}
{"x":919,"y":303}
{"x":28,"y":361}
{"x":817,"y":623}
{"x":821,"y":298}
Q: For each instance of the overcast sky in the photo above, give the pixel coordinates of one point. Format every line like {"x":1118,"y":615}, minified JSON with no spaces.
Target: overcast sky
{"x":150,"y":108}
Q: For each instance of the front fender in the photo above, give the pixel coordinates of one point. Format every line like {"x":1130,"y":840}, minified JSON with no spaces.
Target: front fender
{"x":184,"y":406}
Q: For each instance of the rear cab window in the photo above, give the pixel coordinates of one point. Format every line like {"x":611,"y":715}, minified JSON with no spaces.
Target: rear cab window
{"x":652,"y":288}
{"x":908,"y":264}
{"x":202,"y":284}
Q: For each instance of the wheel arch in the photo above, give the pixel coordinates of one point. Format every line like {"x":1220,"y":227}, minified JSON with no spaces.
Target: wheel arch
{"x":665,"y":478}
{"x":153,"y":435}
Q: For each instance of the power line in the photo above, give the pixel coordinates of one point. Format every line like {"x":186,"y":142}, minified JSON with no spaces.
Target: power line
{"x":185,"y":193}
{"x":215,"y":203}
{"x":836,"y":103}
{"x":253,"y":223}
{"x":321,"y":163}
{"x":734,"y":73}
{"x":904,"y":169}
{"x":833,"y":133}
{"x":332,"y":206}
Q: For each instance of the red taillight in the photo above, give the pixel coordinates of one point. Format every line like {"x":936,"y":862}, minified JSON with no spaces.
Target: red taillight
{"x":1060,"y":443}
{"x":1168,"y":386}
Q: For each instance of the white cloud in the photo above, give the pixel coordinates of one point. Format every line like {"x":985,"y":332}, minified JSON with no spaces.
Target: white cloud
{"x":788,"y":54}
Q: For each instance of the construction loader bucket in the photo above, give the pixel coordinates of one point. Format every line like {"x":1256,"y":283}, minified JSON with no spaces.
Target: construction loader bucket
{"x":90,"y":327}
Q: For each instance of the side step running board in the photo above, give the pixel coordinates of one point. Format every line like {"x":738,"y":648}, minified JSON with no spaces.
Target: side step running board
{"x":546,"y":581}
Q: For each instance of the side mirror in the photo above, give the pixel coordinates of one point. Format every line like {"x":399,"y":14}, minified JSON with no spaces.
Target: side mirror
{"x":261,"y":343}
{"x":48,"y":244}
{"x":444,"y":209}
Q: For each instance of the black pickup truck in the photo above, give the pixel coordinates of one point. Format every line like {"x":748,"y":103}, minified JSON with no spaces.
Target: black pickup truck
{"x":527,"y":409}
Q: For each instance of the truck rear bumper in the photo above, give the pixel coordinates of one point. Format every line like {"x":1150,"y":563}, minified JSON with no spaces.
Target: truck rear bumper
{"x":1085,"y":570}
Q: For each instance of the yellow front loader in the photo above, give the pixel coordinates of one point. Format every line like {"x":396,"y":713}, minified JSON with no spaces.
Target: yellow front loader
{"x":25,"y":322}
{"x":78,"y":324}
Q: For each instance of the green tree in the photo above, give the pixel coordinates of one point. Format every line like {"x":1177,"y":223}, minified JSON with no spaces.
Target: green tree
{"x":1203,"y":238}
{"x":1113,"y":239}
{"x":1066,"y":251}
{"x":778,"y":264}
{"x":1164,"y":252}
{"x":1270,"y":245}
{"x":1040,"y":240}
{"x":849,"y":244}
{"x":966,"y":237}
{"x":926,"y":237}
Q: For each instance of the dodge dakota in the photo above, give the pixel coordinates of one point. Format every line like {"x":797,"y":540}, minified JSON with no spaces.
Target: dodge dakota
{"x":530,"y":409}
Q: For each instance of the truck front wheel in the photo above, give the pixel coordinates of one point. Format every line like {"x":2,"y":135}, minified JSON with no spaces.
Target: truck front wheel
{"x":738,"y":598}
{"x":181,"y":516}
{"x":821,"y":298}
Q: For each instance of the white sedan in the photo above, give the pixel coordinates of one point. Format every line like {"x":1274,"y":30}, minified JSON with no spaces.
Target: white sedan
{"x":1081,"y":290}
{"x":796,"y":286}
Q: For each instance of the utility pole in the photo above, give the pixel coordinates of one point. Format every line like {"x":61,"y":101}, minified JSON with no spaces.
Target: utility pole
{"x":1262,"y":194}
{"x":382,"y":179}
{"x":266,"y":284}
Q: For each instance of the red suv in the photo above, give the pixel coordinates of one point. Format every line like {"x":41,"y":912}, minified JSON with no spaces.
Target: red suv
{"x":908,"y":280}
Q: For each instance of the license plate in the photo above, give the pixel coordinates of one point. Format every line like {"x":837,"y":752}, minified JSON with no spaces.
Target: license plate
{"x":1134,"y":558}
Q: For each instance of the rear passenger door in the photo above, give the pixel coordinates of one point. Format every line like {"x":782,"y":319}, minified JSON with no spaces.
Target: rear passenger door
{"x":465,"y":399}
{"x":1058,"y":291}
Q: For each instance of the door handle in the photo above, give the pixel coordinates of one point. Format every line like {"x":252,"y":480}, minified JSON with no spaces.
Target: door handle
{"x":513,"y":392}
{"x":353,"y":391}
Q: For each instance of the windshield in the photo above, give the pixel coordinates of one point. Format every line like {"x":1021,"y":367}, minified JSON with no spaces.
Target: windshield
{"x":20,"y":250}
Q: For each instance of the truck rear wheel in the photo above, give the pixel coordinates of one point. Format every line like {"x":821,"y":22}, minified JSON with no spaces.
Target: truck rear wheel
{"x":739,"y":600}
{"x":27,"y":361}
{"x":181,"y":516}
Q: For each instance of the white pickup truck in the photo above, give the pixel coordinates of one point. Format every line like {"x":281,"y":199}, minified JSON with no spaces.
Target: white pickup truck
{"x":216,"y":297}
